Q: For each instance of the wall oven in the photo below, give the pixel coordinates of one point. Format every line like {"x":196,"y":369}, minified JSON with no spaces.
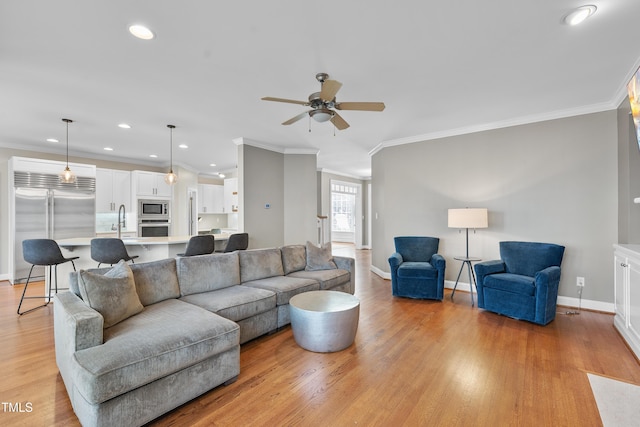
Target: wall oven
{"x":154,"y":209}
{"x":154,"y":218}
{"x":154,"y":228}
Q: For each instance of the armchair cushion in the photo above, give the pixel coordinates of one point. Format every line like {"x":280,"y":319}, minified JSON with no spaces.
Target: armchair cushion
{"x":527,"y":258}
{"x":417,"y":269}
{"x":510,"y":282}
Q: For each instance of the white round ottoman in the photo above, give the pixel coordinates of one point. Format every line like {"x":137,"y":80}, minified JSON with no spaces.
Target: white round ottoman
{"x":324,"y":321}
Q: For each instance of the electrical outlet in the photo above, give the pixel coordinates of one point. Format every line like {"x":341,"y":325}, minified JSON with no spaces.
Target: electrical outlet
{"x":580,"y":281}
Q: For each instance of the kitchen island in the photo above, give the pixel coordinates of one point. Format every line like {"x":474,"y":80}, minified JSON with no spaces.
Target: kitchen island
{"x":147,"y":249}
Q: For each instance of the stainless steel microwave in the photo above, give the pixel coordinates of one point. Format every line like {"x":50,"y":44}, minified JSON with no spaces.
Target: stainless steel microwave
{"x":154,"y":209}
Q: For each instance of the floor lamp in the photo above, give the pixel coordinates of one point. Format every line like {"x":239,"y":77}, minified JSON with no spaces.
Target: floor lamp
{"x":467,"y":218}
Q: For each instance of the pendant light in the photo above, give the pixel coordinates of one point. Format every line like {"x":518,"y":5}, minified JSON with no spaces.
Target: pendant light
{"x":67,"y":176}
{"x":171,"y":178}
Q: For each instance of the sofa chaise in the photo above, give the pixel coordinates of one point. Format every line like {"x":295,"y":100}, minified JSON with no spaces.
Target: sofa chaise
{"x":176,"y":330}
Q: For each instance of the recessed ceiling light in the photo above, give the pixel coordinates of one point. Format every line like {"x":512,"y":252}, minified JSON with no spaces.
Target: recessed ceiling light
{"x":141,"y":32}
{"x":212,"y":164}
{"x":153,"y":156}
{"x":221,"y":175}
{"x":108,"y":149}
{"x":183,"y":146}
{"x":124,"y":126}
{"x":52,"y":140}
{"x":578,"y":15}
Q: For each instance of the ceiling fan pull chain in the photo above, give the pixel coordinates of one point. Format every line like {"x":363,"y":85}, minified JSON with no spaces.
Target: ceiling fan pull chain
{"x":309,"y":124}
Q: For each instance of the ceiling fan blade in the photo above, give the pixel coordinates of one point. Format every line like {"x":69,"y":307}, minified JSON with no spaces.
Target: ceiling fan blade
{"x":296,"y":118}
{"x":290,"y":101}
{"x":339,"y":122}
{"x":329,"y":90}
{"x":362,"y":106}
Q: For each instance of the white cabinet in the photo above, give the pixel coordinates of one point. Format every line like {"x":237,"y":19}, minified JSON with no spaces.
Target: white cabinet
{"x":231,"y":195}
{"x":210,"y":198}
{"x":113,"y":188}
{"x":627,"y":294}
{"x":150,"y":184}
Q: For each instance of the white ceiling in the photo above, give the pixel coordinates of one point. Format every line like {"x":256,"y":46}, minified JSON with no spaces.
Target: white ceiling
{"x":441,"y":67}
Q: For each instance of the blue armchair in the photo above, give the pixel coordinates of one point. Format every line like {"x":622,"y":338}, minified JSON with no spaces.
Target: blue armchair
{"x":417,"y":271}
{"x":524,"y":283}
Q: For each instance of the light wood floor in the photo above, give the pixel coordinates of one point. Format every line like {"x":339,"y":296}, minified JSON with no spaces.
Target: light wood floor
{"x":414,"y":363}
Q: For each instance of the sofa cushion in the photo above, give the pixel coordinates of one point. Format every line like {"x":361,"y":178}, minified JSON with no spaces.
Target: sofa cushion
{"x":206,"y":273}
{"x":319,"y":258}
{"x":156,"y":281}
{"x":284,"y":286}
{"x":328,"y":279}
{"x":163,"y":339}
{"x":260,"y":263}
{"x":113,"y":294}
{"x":235,"y":302}
{"x":514,"y":283}
{"x":294,"y":258}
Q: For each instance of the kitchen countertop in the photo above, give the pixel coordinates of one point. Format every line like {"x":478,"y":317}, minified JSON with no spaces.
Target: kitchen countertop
{"x":129,"y":241}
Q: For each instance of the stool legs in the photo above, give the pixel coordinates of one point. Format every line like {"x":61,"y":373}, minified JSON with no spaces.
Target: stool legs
{"x":48,"y":297}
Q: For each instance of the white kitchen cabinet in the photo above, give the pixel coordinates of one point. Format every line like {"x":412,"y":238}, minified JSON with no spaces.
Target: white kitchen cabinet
{"x":150,"y":184}
{"x":210,"y":198}
{"x":231,"y":195}
{"x":113,"y":188}
{"x":627,"y":294}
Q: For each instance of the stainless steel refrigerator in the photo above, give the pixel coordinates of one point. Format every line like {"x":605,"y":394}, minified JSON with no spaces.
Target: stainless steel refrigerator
{"x":48,"y":209}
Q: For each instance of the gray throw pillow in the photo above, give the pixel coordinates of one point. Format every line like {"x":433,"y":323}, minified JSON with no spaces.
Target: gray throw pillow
{"x":113,"y":294}
{"x":319,"y":258}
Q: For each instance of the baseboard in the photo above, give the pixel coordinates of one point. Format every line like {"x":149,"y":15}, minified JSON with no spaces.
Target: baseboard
{"x":4,"y":277}
{"x":385,"y":275}
{"x":605,"y":307}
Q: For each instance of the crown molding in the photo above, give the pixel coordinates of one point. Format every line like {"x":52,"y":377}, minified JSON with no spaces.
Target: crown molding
{"x":518,"y":121}
{"x":346,"y":175}
{"x":276,"y":148}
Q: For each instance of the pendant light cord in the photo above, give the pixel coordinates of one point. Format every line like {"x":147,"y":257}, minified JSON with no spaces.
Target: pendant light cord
{"x":67,"y":121}
{"x":171,"y":127}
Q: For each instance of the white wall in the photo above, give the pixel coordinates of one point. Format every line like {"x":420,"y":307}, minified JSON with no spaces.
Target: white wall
{"x":553,"y":181}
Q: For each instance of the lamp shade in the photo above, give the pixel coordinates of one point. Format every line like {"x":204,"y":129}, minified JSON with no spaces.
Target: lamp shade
{"x":468,"y":218}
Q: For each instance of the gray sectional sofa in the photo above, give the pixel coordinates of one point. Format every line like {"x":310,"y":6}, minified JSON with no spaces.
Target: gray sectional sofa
{"x":175,"y":329}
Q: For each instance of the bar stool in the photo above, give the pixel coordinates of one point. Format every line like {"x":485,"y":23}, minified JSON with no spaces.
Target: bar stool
{"x":237,"y":242}
{"x":200,"y":245}
{"x":42,"y":252}
{"x":109,"y":250}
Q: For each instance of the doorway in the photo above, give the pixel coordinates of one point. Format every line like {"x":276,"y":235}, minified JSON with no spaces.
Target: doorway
{"x":346,"y":212}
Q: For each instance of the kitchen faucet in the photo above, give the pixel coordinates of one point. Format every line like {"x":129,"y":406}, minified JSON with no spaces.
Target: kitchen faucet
{"x":122,"y":222}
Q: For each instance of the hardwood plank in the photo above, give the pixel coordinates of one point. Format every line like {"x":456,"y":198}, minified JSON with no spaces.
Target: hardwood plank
{"x":412,"y":363}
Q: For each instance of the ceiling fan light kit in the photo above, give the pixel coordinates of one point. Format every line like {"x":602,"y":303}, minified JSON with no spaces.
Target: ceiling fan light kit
{"x":321,"y":115}
{"x":324,"y":102}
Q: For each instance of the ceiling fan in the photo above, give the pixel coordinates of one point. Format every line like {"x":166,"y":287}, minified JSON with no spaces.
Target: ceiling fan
{"x":324,"y":102}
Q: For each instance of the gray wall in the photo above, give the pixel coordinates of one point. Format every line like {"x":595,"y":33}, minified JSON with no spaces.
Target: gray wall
{"x":300,"y":198}
{"x":285,"y":181}
{"x":553,"y":181}
{"x":261,"y":181}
